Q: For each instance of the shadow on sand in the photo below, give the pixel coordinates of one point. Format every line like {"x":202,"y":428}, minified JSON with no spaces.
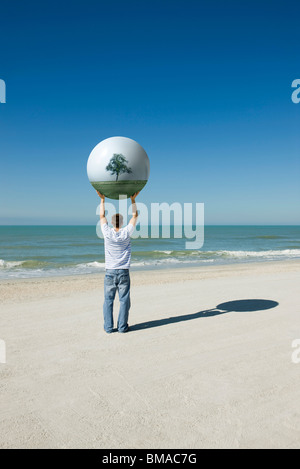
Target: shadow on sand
{"x":222,"y":308}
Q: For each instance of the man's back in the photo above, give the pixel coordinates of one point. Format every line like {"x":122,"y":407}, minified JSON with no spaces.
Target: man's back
{"x":117,"y":246}
{"x":117,"y":262}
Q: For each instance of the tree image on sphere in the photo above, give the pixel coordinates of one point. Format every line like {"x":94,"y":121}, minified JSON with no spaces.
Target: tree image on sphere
{"x":117,"y":165}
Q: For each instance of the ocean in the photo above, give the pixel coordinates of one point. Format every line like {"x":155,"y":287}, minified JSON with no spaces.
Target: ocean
{"x":38,"y":251}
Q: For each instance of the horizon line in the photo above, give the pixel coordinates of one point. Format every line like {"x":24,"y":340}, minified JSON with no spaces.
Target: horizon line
{"x":160,"y":225}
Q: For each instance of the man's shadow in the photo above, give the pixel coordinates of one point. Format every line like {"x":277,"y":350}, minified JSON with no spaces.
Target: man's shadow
{"x":222,"y":308}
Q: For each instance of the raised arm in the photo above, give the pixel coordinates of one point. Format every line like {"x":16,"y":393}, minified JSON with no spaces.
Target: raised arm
{"x":102,"y":208}
{"x":134,"y":209}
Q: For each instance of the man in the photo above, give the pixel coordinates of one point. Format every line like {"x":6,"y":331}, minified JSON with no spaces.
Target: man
{"x":117,"y":263}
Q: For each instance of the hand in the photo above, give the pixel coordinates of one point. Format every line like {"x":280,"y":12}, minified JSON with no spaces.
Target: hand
{"x":134,"y":196}
{"x":102,"y":197}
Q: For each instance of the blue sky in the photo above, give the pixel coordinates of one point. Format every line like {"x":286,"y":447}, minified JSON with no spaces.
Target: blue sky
{"x":203,"y":86}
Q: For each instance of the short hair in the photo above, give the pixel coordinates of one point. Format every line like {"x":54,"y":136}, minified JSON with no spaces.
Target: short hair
{"x":117,"y":220}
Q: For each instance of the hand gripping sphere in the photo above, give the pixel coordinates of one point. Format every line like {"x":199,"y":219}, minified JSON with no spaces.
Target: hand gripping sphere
{"x":118,"y":166}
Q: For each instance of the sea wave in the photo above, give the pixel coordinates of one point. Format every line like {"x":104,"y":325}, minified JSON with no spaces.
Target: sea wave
{"x":287,"y":253}
{"x":141,"y":259}
{"x":216,"y":254}
{"x":269,"y":237}
{"x":9,"y":264}
{"x":88,"y":265}
{"x":25,"y":264}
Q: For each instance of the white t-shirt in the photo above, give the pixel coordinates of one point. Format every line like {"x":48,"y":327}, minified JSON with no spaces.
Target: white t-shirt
{"x":117,"y":246}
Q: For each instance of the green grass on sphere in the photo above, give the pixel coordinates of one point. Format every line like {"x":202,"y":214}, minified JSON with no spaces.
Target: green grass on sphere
{"x":113,"y":189}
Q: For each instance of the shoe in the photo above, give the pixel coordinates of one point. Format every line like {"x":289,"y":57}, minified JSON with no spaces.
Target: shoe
{"x":126,"y":330}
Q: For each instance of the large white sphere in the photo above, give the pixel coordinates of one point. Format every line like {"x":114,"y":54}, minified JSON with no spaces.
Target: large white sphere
{"x":118,"y":166}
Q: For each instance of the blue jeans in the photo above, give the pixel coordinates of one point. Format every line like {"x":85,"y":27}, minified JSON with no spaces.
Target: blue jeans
{"x":116,"y":279}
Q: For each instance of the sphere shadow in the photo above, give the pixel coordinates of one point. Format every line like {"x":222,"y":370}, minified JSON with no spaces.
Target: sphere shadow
{"x":248,"y":305}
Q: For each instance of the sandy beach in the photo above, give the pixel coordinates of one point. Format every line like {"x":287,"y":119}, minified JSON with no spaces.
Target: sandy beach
{"x":189,"y":374}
